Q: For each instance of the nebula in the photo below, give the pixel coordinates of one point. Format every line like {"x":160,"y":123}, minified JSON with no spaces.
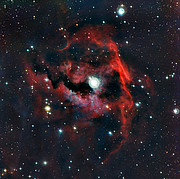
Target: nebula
{"x":60,"y":78}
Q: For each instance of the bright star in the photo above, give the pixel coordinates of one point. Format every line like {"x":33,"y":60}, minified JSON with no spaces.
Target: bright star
{"x":121,"y":10}
{"x":46,"y":79}
{"x":138,"y":104}
{"x":107,"y":106}
{"x":60,"y":131}
{"x":47,"y":108}
{"x":176,"y":111}
{"x":45,"y":162}
{"x":94,"y":82}
{"x":110,"y":133}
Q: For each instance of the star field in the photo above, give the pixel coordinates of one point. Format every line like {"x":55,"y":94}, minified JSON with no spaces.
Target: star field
{"x":89,"y":89}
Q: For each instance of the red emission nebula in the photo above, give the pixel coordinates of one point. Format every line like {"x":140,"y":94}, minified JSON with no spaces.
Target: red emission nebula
{"x":62,"y":82}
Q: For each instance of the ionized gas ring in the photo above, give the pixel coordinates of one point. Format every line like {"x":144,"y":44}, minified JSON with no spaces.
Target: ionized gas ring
{"x":89,"y":85}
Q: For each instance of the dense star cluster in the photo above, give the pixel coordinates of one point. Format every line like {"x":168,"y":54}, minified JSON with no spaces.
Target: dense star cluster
{"x":89,"y":89}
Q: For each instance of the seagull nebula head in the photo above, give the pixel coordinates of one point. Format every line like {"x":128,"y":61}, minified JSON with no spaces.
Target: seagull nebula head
{"x":86,"y":89}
